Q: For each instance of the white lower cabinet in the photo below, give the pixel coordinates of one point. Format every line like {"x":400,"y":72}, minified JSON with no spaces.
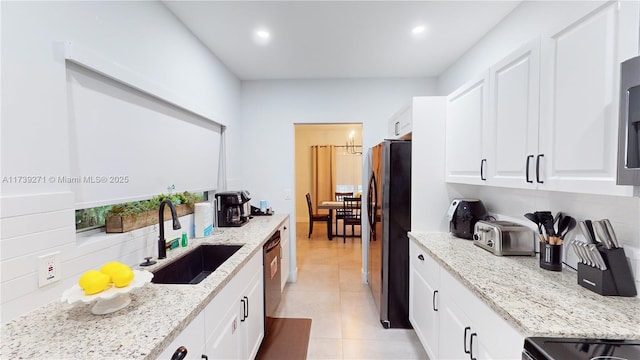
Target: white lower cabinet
{"x":236,"y":332}
{"x":232,"y":325}
{"x":252,"y":323}
{"x":190,"y":338}
{"x":450,"y":321}
{"x":423,"y":279}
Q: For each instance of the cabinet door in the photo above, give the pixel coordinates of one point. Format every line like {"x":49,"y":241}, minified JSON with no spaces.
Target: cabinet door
{"x":453,"y":342}
{"x":579,"y":104}
{"x":466,"y":126}
{"x":192,"y":338}
{"x":423,"y":312}
{"x":252,"y":321}
{"x":512,"y":141}
{"x":400,"y":123}
{"x":224,"y":342}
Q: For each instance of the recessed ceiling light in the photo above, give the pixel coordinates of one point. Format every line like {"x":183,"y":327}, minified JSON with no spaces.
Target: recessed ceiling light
{"x":418,"y":30}
{"x":261,"y":36}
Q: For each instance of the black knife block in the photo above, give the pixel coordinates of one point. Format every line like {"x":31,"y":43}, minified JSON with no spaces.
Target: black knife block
{"x":617,"y":280}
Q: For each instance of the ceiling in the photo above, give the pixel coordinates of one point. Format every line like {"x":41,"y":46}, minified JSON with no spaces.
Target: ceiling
{"x":339,"y":39}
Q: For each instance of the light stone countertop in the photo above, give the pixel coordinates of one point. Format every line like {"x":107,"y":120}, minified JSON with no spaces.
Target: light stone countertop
{"x":536,"y":301}
{"x":154,"y":318}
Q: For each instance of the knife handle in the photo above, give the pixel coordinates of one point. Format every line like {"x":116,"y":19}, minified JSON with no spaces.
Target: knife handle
{"x":589,"y":226}
{"x":602,"y":235}
{"x":585,"y":232}
{"x":601,"y":264}
{"x":612,"y":233}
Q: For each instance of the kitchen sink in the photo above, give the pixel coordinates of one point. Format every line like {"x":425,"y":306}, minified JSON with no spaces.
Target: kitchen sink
{"x":194,"y":266}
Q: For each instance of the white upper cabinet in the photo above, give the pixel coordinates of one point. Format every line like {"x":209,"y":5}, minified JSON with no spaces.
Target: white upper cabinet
{"x":579,"y":102}
{"x":546,"y":116}
{"x":400,"y":124}
{"x":512,"y":136}
{"x":467,"y":112}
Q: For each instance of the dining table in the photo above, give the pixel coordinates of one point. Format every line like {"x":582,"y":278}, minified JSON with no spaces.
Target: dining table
{"x":331,"y":205}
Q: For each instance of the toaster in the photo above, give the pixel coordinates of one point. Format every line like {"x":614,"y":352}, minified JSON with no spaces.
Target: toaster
{"x":504,"y":238}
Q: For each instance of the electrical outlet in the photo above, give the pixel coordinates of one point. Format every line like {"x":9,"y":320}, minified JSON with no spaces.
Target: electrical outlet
{"x":48,"y":268}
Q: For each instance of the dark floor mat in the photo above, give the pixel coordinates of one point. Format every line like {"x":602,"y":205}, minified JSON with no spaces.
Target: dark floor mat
{"x":287,"y":338}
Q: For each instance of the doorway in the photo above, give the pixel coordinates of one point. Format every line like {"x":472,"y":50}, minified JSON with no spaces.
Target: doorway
{"x":337,"y":152}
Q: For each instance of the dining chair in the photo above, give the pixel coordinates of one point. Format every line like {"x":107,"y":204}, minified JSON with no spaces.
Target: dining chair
{"x":340,"y":212}
{"x":352,"y":207}
{"x":315,"y":217}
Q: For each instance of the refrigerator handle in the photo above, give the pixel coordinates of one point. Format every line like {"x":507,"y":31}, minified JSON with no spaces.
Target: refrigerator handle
{"x":372,"y":199}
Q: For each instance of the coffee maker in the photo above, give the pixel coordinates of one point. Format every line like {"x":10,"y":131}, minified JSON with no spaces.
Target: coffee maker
{"x":233,"y":208}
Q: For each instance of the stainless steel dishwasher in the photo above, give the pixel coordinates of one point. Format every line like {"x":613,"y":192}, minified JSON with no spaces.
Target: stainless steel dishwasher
{"x":272,"y":294}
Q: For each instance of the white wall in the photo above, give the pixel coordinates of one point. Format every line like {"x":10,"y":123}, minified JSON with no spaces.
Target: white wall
{"x":36,"y":219}
{"x":270,"y":108}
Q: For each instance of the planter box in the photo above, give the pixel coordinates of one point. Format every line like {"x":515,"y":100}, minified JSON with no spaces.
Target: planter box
{"x":122,"y":224}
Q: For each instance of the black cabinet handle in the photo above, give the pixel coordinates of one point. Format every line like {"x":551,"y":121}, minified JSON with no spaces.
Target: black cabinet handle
{"x":471,"y":346}
{"x":433,"y":300}
{"x":246,"y":301}
{"x":205,"y":357}
{"x":465,"y":340}
{"x":244,"y":311}
{"x":538,"y":169}
{"x":421,"y":257}
{"x":527,"y":173}
{"x":482,"y":162}
{"x":179,"y":354}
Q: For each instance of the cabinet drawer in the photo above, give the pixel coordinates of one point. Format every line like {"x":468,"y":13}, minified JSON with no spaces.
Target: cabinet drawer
{"x":424,"y":264}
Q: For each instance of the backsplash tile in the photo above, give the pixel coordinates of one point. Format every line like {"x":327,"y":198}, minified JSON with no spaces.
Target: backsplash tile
{"x":35,"y":229}
{"x":624,"y":212}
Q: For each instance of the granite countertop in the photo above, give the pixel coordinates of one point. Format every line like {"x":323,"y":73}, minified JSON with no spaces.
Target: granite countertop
{"x":156,"y":315}
{"x":537,"y":302}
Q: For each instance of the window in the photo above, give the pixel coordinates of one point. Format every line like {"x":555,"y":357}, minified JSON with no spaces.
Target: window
{"x":348,"y":172}
{"x":93,"y":218}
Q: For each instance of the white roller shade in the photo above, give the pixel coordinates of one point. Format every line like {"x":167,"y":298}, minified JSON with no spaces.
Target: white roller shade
{"x":138,"y":144}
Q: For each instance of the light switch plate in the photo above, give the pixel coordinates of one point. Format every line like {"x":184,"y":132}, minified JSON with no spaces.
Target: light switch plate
{"x":48,"y":268}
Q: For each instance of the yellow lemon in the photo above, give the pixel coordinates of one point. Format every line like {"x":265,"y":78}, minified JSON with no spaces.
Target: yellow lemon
{"x":122,"y":277}
{"x":93,"y":282}
{"x":112,"y":267}
{"x":120,"y":274}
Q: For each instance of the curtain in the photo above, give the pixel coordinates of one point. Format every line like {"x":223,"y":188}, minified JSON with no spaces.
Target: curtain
{"x":323,"y":173}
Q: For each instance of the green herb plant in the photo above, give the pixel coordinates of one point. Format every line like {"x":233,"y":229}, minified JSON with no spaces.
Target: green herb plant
{"x":140,"y":207}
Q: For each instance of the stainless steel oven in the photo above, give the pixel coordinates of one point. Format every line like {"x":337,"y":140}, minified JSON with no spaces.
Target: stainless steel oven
{"x":629,"y":126}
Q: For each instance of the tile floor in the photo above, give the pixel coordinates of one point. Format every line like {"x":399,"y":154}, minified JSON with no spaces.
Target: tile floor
{"x":330,"y":291}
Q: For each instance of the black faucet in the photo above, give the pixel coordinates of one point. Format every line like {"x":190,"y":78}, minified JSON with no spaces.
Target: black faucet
{"x":162,"y":250}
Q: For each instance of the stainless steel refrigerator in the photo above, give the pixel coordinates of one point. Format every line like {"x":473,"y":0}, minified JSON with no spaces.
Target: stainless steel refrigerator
{"x":389,"y":213}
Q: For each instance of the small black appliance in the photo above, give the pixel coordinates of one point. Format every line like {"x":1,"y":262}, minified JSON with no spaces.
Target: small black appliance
{"x":463,"y":215}
{"x":233,"y":208}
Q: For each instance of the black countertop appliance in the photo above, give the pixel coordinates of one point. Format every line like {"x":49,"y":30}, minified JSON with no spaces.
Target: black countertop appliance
{"x":232,"y":208}
{"x":463,"y":215}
